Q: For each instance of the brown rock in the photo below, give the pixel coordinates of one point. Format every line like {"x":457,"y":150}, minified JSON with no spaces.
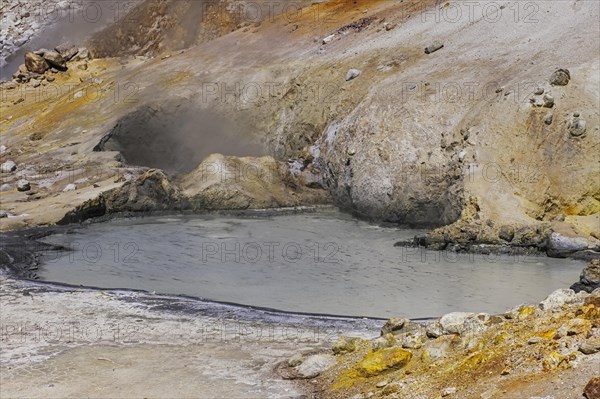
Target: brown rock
{"x":560,"y":77}
{"x":35,"y":63}
{"x":592,"y":389}
{"x":55,"y":59}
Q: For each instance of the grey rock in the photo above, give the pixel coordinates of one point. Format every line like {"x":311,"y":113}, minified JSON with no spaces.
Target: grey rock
{"x":589,"y":280}
{"x":433,"y":47}
{"x":548,"y":101}
{"x":35,"y":83}
{"x":50,"y":78}
{"x":548,"y":118}
{"x":55,"y":59}
{"x":352,"y":74}
{"x":70,"y":187}
{"x":435,"y":329}
{"x":393,"y":324}
{"x":560,"y":77}
{"x":539,"y":91}
{"x":5,"y":187}
{"x":385,"y":341}
{"x":454,"y":323}
{"x":590,"y":346}
{"x":577,"y":127}
{"x":328,"y":39}
{"x":3,"y":214}
{"x":296,"y":360}
{"x":314,"y":365}
{"x":561,"y":246}
{"x":559,"y":298}
{"x":8,"y":166}
{"x":82,"y":54}
{"x":67,"y":50}
{"x":23,"y":185}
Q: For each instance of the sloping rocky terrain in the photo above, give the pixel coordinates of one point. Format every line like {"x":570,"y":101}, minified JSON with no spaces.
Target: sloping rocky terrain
{"x":479,"y":120}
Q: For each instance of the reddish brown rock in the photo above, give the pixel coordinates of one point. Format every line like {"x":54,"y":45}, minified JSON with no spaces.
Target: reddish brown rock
{"x":592,"y":389}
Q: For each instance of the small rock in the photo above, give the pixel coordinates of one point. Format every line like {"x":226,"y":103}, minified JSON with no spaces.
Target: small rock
{"x":296,"y":360}
{"x":23,"y":185}
{"x":50,"y":78}
{"x":448,"y":391}
{"x":592,"y":389}
{"x":560,"y":77}
{"x":590,"y":346}
{"x":70,"y":187}
{"x":539,"y":91}
{"x":345,"y":345}
{"x":3,"y":149}
{"x":35,"y":83}
{"x":548,"y":118}
{"x":433,"y":47}
{"x":352,"y":73}
{"x":534,"y":340}
{"x":314,"y":365}
{"x":381,"y":384}
{"x":506,"y":371}
{"x":434,"y":329}
{"x":8,"y":167}
{"x":548,"y":101}
{"x":393,"y":324}
{"x":385,"y":341}
{"x":5,"y":187}
{"x":577,"y":127}
{"x":328,"y":39}
{"x":3,"y":214}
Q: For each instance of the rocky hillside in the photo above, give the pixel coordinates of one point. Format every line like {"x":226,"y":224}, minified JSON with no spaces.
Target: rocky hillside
{"x":402,"y":111}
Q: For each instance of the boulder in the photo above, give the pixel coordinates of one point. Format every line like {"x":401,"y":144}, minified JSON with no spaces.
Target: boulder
{"x":314,"y":365}
{"x":559,"y":298}
{"x":35,"y":63}
{"x":393,"y":324}
{"x":352,"y":73}
{"x":67,"y":51}
{"x":454,"y":323}
{"x":435,"y":329}
{"x":345,"y":345}
{"x":560,"y":245}
{"x":590,"y":278}
{"x":8,"y":167}
{"x":560,"y":77}
{"x":375,"y":363}
{"x":55,"y":59}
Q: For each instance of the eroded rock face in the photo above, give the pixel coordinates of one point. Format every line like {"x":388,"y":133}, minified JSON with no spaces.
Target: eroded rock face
{"x":152,"y":191}
{"x":226,"y":182}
